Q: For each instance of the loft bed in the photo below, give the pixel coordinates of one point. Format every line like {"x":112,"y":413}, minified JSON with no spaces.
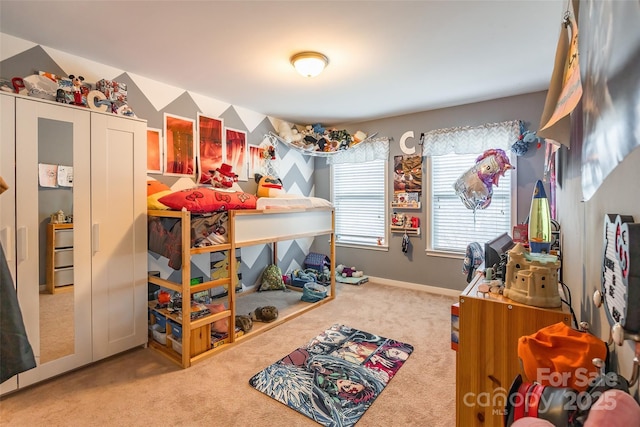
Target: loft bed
{"x":244,"y":227}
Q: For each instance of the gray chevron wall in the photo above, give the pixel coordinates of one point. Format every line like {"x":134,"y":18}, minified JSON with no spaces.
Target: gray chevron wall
{"x":149,"y":100}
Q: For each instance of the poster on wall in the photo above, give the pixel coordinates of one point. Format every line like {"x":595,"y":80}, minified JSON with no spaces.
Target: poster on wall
{"x":565,"y":88}
{"x":256,"y":160}
{"x":211,"y":146}
{"x":610,"y":60}
{"x":179,"y":136}
{"x":407,"y":174}
{"x":154,"y":150}
{"x":236,"y":154}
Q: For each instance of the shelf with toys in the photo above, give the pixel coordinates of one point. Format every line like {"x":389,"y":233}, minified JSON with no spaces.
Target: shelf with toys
{"x":407,"y":230}
{"x":415,"y":205}
{"x":406,"y":200}
{"x":403,"y":223}
{"x":315,"y":140}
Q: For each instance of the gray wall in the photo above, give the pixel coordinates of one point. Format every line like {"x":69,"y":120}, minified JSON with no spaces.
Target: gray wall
{"x":416,"y":266}
{"x":296,"y":170}
{"x":582,"y":221}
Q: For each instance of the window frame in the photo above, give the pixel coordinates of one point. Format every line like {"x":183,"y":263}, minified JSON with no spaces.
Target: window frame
{"x":385,"y":200}
{"x":513,"y":208}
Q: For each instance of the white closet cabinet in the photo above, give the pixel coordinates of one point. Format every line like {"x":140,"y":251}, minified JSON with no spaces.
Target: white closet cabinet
{"x":8,"y":198}
{"x":119,"y":228}
{"x":106,"y":311}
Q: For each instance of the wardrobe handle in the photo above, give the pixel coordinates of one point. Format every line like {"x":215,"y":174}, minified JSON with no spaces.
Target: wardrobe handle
{"x":22,"y":243}
{"x":96,"y":237}
{"x":7,"y":243}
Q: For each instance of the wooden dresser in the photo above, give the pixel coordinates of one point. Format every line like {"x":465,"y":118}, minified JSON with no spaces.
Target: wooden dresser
{"x":59,"y":257}
{"x":487,"y":357}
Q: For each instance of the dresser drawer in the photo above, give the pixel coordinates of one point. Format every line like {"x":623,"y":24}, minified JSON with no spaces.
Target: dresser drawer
{"x":64,"y":238}
{"x":63,"y":277}
{"x":63,"y":258}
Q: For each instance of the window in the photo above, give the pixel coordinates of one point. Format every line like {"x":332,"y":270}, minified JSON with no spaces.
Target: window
{"x":452,"y":225}
{"x":359,"y":196}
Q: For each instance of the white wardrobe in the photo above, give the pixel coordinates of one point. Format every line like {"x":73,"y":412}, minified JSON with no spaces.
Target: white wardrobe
{"x":104,"y":312}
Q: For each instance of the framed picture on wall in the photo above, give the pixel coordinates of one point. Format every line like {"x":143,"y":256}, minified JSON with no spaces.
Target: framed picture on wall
{"x":236,"y":154}
{"x":179,"y":146}
{"x":256,"y":158}
{"x":211,"y":146}
{"x":407,"y":174}
{"x":154,"y":150}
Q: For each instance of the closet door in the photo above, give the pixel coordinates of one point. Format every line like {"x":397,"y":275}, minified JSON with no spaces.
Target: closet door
{"x":7,"y":199}
{"x":58,"y":325}
{"x":119,"y":233}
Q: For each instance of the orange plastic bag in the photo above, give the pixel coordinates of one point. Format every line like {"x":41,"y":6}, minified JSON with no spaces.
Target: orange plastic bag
{"x":560,"y":356}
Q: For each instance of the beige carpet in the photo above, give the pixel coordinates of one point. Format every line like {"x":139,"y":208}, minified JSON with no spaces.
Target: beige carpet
{"x":56,"y":326}
{"x":143,"y":388}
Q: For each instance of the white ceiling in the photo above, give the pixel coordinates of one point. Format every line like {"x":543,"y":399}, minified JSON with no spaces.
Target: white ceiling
{"x":387,"y":58}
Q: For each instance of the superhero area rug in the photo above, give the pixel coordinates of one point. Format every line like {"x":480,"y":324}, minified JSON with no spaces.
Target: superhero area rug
{"x":336,"y":376}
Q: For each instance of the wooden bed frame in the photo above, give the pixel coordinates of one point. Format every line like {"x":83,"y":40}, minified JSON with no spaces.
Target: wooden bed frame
{"x":245,"y":228}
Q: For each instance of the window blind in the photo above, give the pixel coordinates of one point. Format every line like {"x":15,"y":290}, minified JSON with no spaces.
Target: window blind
{"x":453,"y":226}
{"x":359,"y":195}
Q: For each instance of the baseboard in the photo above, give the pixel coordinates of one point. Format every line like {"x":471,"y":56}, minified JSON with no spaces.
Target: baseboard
{"x":416,"y":286}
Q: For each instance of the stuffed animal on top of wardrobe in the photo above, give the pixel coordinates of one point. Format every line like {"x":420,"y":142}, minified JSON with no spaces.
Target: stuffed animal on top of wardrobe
{"x":78,"y":90}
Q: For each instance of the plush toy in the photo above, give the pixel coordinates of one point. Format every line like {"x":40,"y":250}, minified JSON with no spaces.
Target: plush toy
{"x":223,"y":177}
{"x":475,"y":186}
{"x":155,"y":186}
{"x":521,"y":146}
{"x":288,"y":133}
{"x":269,"y":186}
{"x":77,"y":89}
{"x":397,"y":220}
{"x":348,"y":271}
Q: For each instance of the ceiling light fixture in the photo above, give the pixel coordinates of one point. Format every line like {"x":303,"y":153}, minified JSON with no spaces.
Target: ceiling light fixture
{"x":309,"y":64}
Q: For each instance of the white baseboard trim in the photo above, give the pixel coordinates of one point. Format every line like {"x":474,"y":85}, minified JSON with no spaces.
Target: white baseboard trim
{"x":416,"y":286}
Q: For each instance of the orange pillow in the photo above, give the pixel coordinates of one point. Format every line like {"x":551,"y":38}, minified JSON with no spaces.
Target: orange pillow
{"x":205,"y":199}
{"x":221,"y":325}
{"x":155,"y":186}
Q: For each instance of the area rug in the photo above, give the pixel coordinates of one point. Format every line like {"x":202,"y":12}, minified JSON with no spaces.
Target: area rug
{"x":336,"y":376}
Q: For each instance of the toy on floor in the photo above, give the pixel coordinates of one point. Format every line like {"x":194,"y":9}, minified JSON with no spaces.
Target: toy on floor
{"x":265,"y":314}
{"x":244,"y":322}
{"x":348,"y":271}
{"x":300,"y":277}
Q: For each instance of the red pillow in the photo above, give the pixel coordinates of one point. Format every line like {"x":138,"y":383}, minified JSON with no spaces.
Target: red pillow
{"x":205,"y":199}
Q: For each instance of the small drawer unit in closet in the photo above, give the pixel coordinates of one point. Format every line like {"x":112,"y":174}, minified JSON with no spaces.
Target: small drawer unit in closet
{"x":59,"y":257}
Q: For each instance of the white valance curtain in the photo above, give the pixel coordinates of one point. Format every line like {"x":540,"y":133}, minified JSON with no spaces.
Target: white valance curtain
{"x":375,"y":149}
{"x":468,"y":139}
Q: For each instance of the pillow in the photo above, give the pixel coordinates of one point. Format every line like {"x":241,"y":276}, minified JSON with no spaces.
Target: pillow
{"x":271,"y":279}
{"x":205,"y":199}
{"x":155,"y":186}
{"x":221,"y":325}
{"x":153,"y":203}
